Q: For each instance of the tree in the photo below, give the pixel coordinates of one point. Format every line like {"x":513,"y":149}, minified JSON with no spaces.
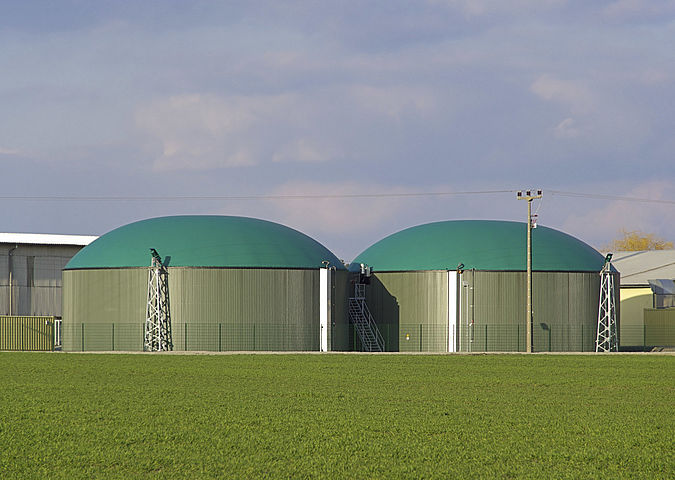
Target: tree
{"x":636,"y":241}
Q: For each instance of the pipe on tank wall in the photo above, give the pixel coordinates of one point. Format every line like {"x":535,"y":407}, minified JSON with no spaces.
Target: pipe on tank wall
{"x":10,"y":268}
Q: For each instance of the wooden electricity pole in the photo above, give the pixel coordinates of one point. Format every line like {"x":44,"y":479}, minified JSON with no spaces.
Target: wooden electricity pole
{"x":529,"y":195}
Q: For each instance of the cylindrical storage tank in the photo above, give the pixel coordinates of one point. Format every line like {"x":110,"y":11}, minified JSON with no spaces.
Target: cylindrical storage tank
{"x":461,"y":286}
{"x":235,"y":284}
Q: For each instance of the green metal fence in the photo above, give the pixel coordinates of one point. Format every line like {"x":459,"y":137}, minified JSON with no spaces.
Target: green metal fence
{"x":37,"y":334}
{"x":214,"y":337}
{"x":419,"y":337}
{"x":25,"y":333}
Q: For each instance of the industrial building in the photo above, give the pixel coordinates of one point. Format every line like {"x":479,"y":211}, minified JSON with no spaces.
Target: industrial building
{"x":30,"y":271}
{"x":645,"y":322}
{"x":461,"y":286}
{"x":30,"y":287}
{"x":234,"y":284}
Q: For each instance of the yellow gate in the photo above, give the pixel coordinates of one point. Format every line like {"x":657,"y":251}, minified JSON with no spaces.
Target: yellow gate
{"x":26,"y":333}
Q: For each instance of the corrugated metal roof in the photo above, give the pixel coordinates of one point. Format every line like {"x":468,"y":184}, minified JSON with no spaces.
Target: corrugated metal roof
{"x":638,"y":267}
{"x":205,"y":241}
{"x":479,"y":244}
{"x":46,"y":239}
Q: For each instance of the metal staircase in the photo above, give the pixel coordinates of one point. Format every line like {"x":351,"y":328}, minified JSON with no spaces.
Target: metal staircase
{"x":359,"y":315}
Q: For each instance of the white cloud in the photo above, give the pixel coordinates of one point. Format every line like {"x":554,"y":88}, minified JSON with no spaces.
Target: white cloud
{"x":333,"y":215}
{"x":394,"y":102}
{"x":573,"y":95}
{"x":208,"y":131}
{"x":567,"y":129}
{"x":654,"y":77}
{"x":632,"y":9}
{"x":485,"y":7}
{"x":200,"y":131}
{"x":302,"y":151}
{"x":9,"y":151}
{"x":602,"y":224}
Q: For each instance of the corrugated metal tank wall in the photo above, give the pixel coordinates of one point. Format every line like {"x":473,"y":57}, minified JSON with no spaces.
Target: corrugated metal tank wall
{"x":225,"y":309}
{"x":411,"y":310}
{"x":256,"y":309}
{"x":564,"y":310}
{"x":104,"y":309}
{"x":339,"y":334}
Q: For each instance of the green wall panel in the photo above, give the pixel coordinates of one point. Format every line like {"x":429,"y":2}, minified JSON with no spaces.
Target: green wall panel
{"x":95,"y":300}
{"x":262,"y":309}
{"x":402,"y":301}
{"x":411,"y":310}
{"x":564,"y":311}
{"x":339,"y":334}
{"x":211,"y":309}
{"x":659,"y":327}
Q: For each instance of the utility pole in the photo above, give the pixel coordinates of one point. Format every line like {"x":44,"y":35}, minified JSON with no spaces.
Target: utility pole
{"x":529,"y":195}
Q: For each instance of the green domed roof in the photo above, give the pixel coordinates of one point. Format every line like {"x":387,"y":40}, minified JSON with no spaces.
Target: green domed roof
{"x":205,"y":241}
{"x":479,"y":244}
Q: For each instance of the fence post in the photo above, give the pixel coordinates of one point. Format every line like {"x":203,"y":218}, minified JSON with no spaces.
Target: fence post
{"x":486,"y":349}
{"x":254,"y":337}
{"x":83,"y":336}
{"x":113,"y":336}
{"x":220,"y":337}
{"x":549,"y":338}
{"x":420,"y":337}
{"x":644,"y":336}
{"x":185,"y":336}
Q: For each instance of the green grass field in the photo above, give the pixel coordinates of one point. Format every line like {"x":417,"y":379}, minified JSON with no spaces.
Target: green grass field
{"x":336,"y":416}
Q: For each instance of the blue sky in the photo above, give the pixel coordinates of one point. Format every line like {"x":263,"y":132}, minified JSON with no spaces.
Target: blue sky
{"x":177,"y":98}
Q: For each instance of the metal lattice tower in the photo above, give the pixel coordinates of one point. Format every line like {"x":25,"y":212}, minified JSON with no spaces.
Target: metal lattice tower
{"x":607,"y":338}
{"x":158,"y":317}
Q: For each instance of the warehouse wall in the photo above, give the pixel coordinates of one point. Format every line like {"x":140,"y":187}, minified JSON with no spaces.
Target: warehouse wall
{"x":633,"y":303}
{"x":36,"y":278}
{"x":212,"y":309}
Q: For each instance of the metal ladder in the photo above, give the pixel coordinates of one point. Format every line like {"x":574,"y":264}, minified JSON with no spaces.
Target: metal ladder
{"x":359,"y":315}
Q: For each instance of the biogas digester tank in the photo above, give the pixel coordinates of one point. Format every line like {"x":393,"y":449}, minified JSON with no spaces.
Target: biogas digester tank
{"x":235,"y":284}
{"x":422,"y":300}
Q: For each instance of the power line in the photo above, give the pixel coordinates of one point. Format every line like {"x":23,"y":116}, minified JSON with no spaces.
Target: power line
{"x":71,"y":198}
{"x":170,"y":198}
{"x":600,"y":196}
